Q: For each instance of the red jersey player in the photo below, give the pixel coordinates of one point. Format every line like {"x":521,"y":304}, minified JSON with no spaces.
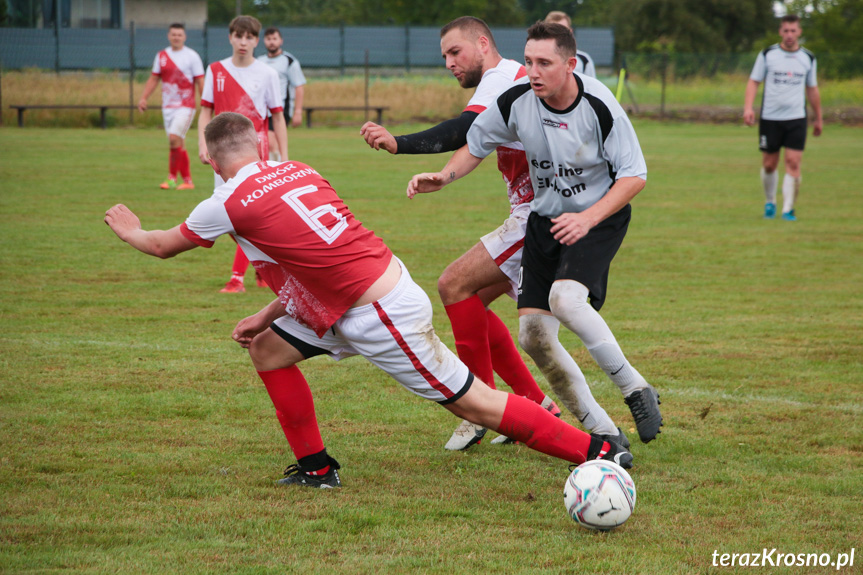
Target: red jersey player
{"x":244,"y":85}
{"x":340,"y":292}
{"x":180,"y":69}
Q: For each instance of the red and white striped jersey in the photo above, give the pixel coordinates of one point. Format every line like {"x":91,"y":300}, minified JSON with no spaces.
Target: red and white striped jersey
{"x":250,"y":91}
{"x":299,"y":235}
{"x":178,"y":69}
{"x":511,"y":160}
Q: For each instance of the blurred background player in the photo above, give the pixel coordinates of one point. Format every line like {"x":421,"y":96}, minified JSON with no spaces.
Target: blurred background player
{"x":340,"y":292}
{"x":181,"y":71}
{"x":789,"y":75}
{"x":585,"y":62}
{"x":586,"y":165}
{"x":490,"y":268}
{"x":244,"y":85}
{"x":291,"y":81}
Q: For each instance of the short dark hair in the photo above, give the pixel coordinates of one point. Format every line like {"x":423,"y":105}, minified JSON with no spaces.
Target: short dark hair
{"x":272,"y":30}
{"x":470,"y":26}
{"x":242,"y":25}
{"x":179,"y":25}
{"x":564,"y":41}
{"x":229,"y":132}
{"x":789,"y":19}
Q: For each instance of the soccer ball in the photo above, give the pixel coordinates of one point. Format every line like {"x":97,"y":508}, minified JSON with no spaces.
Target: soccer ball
{"x":599,"y":495}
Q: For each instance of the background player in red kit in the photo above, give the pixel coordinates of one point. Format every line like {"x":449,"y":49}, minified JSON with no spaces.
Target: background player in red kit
{"x":180,"y":69}
{"x":340,"y":292}
{"x":244,"y":85}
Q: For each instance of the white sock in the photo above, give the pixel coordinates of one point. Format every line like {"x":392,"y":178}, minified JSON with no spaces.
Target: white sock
{"x":568,"y":301}
{"x":790,"y":189}
{"x":769,"y":181}
{"x":538,"y":337}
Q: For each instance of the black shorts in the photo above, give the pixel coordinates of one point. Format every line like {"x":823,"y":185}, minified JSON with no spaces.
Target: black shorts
{"x":587,"y":261}
{"x":775,"y":134}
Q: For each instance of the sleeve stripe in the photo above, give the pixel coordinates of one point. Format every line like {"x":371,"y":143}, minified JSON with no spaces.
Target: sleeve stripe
{"x":194,"y":238}
{"x":475,"y":108}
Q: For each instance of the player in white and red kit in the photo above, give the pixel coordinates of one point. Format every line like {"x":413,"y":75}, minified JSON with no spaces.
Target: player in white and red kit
{"x":180,"y":70}
{"x":340,"y":292}
{"x":246,"y":86}
{"x":491,"y":267}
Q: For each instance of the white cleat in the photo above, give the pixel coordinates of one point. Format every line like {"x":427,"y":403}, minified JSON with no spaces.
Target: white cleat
{"x":465,"y":435}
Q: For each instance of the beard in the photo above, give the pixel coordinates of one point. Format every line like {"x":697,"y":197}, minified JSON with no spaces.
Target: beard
{"x":471,"y":78}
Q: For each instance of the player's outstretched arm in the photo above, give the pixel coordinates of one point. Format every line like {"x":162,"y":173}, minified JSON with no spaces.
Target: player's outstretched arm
{"x":160,"y":243}
{"x":248,"y":327}
{"x":460,"y":164}
{"x":379,"y":138}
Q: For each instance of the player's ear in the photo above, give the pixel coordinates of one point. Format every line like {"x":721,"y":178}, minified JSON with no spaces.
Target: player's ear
{"x":215,"y":166}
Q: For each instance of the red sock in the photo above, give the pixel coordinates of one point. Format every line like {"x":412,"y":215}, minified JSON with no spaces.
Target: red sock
{"x":172,"y":163}
{"x":507,"y":361}
{"x":470,"y":328}
{"x":525,"y":421}
{"x":241,"y":263}
{"x":183,"y":164}
{"x":295,"y":409}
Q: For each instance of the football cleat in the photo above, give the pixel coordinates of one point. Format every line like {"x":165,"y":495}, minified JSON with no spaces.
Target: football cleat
{"x":548,"y":404}
{"x":619,"y":439}
{"x":769,"y":210}
{"x":294,"y":475}
{"x":615,"y":453}
{"x":169,"y":184}
{"x":234,"y":285}
{"x":465,"y":435}
{"x":789,"y":216}
{"x":186,"y":185}
{"x":644,"y":405}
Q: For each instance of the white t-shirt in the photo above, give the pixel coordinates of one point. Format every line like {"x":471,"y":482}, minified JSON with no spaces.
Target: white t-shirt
{"x":786,"y":76}
{"x":585,"y":64}
{"x":575,"y":155}
{"x":290,"y":77}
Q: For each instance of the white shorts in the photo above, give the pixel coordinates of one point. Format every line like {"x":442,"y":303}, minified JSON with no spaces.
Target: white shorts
{"x":394,"y":333}
{"x":178,"y":120}
{"x":506,"y":243}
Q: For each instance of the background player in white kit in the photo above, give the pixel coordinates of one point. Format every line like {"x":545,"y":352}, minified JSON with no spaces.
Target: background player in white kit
{"x":291,"y":80}
{"x":340,"y":292}
{"x":244,"y":85}
{"x":789,"y":75}
{"x":181,"y":71}
{"x":580,"y":212}
{"x":490,"y":268}
{"x":585,"y":62}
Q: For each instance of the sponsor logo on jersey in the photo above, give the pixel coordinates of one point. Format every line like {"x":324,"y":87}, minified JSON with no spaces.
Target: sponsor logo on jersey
{"x":163,"y":60}
{"x":553,"y":124}
{"x":220,"y":82}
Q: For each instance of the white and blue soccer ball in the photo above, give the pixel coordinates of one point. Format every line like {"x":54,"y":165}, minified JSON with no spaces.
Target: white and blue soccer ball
{"x":599,"y":495}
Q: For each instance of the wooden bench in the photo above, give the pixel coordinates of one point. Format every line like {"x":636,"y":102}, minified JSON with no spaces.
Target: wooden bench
{"x":103,"y":110}
{"x":378,"y":109}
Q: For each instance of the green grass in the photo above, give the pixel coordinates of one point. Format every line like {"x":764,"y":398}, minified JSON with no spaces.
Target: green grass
{"x":138,"y":439}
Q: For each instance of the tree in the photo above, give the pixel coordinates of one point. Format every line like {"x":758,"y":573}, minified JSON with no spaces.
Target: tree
{"x":830,"y":25}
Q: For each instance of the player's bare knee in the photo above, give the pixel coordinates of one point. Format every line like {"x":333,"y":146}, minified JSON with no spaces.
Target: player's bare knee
{"x":449,"y":287}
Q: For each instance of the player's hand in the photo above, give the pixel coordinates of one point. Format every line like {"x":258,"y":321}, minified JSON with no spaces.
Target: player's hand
{"x":203,"y":154}
{"x":570,"y":227}
{"x":817,"y":127}
{"x":122,"y":221}
{"x":749,"y":117}
{"x":378,"y":137}
{"x":142,"y":105}
{"x":297,"y":121}
{"x":425,"y":183}
{"x":247,"y":328}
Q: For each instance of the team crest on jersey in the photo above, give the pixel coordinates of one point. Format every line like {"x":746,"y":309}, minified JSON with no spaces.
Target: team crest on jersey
{"x":163,"y":60}
{"x":553,"y":124}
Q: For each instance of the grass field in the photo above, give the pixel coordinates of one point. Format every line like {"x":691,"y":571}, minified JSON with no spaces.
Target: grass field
{"x":138,"y":439}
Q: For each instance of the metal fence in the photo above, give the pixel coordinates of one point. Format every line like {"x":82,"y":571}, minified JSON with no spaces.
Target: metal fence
{"x":334,"y":48}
